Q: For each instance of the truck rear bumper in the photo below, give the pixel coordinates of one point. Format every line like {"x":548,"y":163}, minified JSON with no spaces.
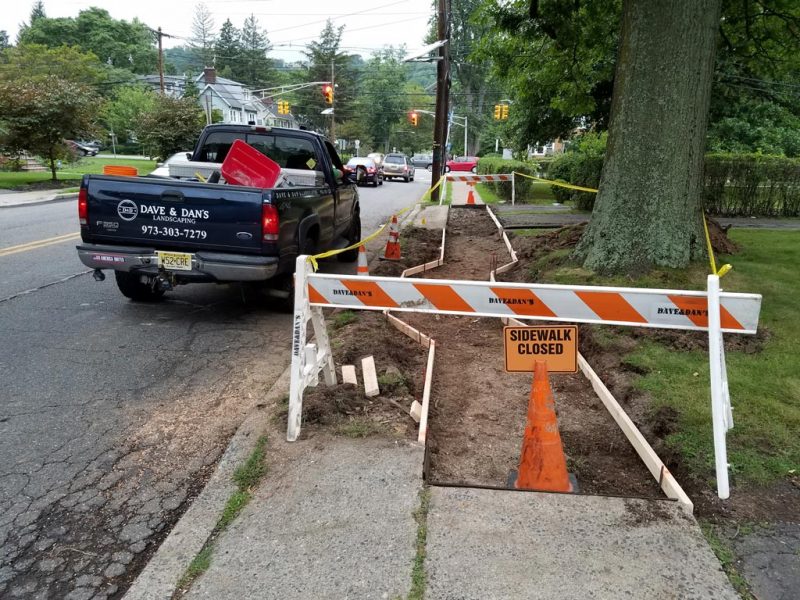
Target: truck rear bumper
{"x":206,"y":266}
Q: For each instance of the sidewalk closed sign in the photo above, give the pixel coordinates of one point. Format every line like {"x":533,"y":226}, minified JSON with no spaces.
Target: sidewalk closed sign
{"x":556,"y":345}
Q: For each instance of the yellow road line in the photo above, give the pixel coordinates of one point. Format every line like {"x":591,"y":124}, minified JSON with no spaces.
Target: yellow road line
{"x":39,"y":244}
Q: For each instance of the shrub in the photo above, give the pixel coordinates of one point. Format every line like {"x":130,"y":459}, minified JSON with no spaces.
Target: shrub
{"x":581,"y":165}
{"x":489,"y":165}
{"x":752,"y":185}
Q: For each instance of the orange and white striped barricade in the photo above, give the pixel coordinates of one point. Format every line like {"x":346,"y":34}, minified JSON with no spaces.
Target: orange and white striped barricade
{"x":307,"y":359}
{"x":469,"y":177}
{"x":713,"y":311}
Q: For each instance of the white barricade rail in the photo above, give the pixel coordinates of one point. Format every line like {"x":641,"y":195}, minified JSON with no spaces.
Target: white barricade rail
{"x":471,"y":178}
{"x":712,"y":310}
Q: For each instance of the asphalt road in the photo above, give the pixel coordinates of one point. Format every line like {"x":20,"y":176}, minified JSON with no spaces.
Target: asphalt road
{"x":112,"y":413}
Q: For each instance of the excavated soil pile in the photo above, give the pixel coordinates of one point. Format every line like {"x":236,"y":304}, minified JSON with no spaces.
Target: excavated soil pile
{"x":478,"y":410}
{"x":399,"y":363}
{"x":418,"y":246}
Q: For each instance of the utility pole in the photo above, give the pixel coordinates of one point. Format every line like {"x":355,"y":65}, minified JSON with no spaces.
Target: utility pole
{"x":160,"y":60}
{"x":333,"y":112}
{"x":442,"y":97}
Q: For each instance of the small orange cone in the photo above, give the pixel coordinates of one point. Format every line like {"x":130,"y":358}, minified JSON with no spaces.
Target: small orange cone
{"x":363,"y":267}
{"x":393,"y":245}
{"x":470,"y":196}
{"x":542,"y":464}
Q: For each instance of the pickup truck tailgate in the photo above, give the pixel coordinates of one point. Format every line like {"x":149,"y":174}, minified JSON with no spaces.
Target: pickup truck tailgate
{"x":173,"y":214}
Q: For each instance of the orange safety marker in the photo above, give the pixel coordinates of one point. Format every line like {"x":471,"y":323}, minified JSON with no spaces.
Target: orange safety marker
{"x":392,"y":251}
{"x":542,"y":464}
{"x":120,"y":170}
{"x":470,"y":196}
{"x":363,"y":267}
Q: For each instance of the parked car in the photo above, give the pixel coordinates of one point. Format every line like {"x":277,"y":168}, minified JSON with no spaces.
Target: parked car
{"x":423,"y":161}
{"x":462,"y":163}
{"x":91,"y":143}
{"x":377,"y":157}
{"x":163,"y":168}
{"x":81,"y":149}
{"x":364,"y":170}
{"x":398,"y":166}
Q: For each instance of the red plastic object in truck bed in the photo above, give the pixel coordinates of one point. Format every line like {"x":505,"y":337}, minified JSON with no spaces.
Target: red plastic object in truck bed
{"x":244,"y":165}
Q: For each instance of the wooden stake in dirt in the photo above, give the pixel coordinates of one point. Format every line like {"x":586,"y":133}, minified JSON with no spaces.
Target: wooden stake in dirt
{"x":370,"y":377}
{"x":349,"y":374}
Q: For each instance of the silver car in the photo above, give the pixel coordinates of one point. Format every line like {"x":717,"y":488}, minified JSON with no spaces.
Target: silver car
{"x":398,"y":166}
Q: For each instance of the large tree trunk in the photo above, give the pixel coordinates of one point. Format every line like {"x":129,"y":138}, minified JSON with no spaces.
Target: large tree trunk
{"x":648,"y":208}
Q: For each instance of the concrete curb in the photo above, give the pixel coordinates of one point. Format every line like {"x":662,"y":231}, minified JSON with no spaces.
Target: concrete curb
{"x":56,"y":198}
{"x":160,"y":577}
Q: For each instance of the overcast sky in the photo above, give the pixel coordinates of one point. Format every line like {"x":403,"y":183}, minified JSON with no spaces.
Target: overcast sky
{"x":289,"y":24}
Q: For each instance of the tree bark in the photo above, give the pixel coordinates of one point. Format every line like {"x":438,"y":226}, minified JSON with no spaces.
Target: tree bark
{"x":648,"y":208}
{"x":53,"y":164}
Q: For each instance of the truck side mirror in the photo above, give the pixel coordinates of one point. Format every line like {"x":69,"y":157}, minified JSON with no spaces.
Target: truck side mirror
{"x":188,"y":156}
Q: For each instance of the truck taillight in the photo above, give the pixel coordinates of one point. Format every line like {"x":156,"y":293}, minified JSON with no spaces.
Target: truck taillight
{"x":270,"y":224}
{"x":83,"y":206}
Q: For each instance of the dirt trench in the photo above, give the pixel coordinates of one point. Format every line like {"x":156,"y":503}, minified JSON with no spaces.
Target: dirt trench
{"x":478,"y":410}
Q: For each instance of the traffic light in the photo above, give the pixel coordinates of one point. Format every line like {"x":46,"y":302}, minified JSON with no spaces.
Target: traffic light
{"x":414,"y":118}
{"x":283,"y":107}
{"x":497,"y":112}
{"x":327,"y":91}
{"x":504,"y":111}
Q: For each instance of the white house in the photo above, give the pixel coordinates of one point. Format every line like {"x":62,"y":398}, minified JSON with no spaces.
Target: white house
{"x":237,"y":103}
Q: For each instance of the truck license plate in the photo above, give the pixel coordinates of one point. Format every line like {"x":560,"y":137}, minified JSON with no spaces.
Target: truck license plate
{"x":175,"y":261}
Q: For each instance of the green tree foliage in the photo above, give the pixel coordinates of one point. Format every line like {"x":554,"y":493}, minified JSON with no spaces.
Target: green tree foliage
{"x":321,"y":55}
{"x":122,"y":113}
{"x":254,"y":68}
{"x":228,"y":49}
{"x":38,"y":113}
{"x":755,"y":104}
{"x":118,"y":43}
{"x":36,"y":60}
{"x":37,"y":12}
{"x":472,"y":93}
{"x":171,"y":125}
{"x":557,"y":60}
{"x":384,"y":101}
{"x":202,"y":39}
{"x":180,"y":60}
{"x":3,"y":39}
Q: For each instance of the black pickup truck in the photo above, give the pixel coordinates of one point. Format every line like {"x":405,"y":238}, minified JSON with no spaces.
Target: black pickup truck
{"x":157,"y":232}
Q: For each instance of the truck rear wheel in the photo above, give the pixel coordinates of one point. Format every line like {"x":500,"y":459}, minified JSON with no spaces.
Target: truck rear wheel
{"x":131,"y":287}
{"x":352,"y":237}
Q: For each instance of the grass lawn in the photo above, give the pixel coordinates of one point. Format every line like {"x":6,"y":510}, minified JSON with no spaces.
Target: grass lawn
{"x":764,"y":444}
{"x":71,"y":172}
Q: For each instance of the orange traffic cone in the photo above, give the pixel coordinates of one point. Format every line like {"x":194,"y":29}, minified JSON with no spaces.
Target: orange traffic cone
{"x":363,"y":267}
{"x":542,"y":464}
{"x":393,"y":245}
{"x":470,"y":196}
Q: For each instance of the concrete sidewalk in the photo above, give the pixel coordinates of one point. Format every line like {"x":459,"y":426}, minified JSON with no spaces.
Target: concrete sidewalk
{"x":335,"y":518}
{"x":11,"y":199}
{"x":460,"y":192}
{"x":504,"y":544}
{"x":337,"y":522}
